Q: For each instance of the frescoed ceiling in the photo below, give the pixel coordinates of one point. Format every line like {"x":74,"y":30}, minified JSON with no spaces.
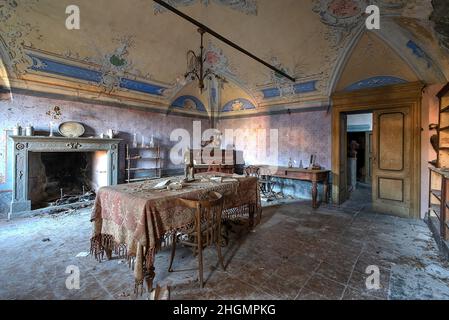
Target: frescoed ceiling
{"x":135,"y":51}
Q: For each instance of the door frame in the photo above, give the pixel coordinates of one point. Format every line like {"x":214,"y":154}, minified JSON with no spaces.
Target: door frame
{"x":366,"y":100}
{"x":369,"y":155}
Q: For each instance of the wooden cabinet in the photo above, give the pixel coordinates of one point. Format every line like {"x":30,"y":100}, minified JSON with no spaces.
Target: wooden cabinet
{"x":438,"y":214}
{"x":208,"y":156}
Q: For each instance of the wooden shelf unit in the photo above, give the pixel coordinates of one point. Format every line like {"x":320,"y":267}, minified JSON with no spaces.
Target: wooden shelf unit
{"x":438,"y":214}
{"x":439,"y":201}
{"x":443,"y":125}
{"x":136,"y":157}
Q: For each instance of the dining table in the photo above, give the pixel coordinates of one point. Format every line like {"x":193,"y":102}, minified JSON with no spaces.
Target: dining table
{"x":134,"y":221}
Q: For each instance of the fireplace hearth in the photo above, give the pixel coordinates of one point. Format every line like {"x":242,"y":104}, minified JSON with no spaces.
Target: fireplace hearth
{"x":56,"y":170}
{"x":57,"y":178}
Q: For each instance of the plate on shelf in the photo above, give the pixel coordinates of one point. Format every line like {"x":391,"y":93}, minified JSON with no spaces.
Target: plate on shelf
{"x":71,"y":129}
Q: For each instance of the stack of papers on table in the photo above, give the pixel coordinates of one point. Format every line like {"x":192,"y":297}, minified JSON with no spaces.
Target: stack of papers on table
{"x":162,"y":185}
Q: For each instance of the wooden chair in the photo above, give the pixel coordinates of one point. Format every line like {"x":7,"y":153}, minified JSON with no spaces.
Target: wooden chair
{"x":205,"y":231}
{"x":252,"y":171}
{"x":265,"y":182}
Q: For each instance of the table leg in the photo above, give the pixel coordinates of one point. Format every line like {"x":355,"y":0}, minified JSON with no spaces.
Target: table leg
{"x":314,"y":194}
{"x":108,"y":253}
{"x":326,"y":191}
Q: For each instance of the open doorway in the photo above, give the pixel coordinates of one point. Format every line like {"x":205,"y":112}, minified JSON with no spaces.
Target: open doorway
{"x":359,"y":153}
{"x":396,"y":146}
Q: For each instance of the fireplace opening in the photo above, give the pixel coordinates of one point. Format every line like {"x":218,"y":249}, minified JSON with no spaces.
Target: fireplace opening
{"x":59,"y":178}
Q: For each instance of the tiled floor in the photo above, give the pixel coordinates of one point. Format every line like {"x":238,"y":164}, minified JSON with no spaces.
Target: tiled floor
{"x":295,"y":253}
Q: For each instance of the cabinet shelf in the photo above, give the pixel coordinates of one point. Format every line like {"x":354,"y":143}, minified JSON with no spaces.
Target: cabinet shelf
{"x":134,"y":172}
{"x":141,"y":169}
{"x":445,"y":109}
{"x":439,"y":176}
{"x":436,"y":194}
{"x":143,"y":148}
{"x":436,"y":209}
{"x":142,"y":158}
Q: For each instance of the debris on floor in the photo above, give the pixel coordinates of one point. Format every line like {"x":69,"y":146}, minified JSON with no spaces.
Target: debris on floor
{"x":296,"y":253}
{"x":82,"y":254}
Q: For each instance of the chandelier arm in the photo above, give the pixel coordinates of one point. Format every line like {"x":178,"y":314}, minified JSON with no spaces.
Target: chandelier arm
{"x":221,"y":38}
{"x":192,"y":73}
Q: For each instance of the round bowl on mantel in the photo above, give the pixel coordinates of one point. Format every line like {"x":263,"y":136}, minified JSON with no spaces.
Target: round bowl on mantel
{"x":71,"y":129}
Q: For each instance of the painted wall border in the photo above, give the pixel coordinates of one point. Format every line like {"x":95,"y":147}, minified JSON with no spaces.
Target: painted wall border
{"x":70,"y":98}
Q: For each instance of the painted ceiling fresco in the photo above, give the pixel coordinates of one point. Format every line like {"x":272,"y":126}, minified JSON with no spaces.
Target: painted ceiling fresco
{"x":136,"y":53}
{"x":245,"y":6}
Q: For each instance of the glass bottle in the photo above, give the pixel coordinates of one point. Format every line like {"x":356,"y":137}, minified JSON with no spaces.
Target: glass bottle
{"x":135,"y":140}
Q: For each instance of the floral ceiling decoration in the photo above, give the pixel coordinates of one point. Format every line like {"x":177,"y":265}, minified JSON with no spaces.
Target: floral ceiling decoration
{"x":114,"y":65}
{"x":12,"y":34}
{"x":343,"y":16}
{"x":246,"y":6}
{"x":145,"y":67}
{"x":216,"y":60}
{"x":285,"y":86}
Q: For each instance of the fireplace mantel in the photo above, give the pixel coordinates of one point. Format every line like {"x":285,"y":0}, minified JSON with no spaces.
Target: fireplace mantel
{"x":24,"y":144}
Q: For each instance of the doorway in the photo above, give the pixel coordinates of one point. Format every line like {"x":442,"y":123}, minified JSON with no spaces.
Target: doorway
{"x":359,"y":145}
{"x":395,"y":146}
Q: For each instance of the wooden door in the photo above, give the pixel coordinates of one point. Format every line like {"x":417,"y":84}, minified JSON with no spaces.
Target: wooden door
{"x":343,"y":194}
{"x":391,"y":179}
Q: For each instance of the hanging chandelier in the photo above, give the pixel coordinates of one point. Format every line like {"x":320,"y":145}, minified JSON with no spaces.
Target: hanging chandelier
{"x":196,"y":68}
{"x":196,"y":62}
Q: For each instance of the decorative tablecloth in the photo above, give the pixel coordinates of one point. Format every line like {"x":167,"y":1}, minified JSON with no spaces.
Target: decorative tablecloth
{"x":133,"y":220}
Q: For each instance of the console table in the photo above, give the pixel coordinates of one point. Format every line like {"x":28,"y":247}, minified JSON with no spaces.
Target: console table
{"x":314,"y":176}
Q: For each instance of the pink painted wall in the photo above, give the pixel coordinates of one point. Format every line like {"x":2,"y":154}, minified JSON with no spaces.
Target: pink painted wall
{"x":300,"y":135}
{"x":31,"y":110}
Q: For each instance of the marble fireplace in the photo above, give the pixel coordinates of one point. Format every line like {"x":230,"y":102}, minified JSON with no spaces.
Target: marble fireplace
{"x":27,"y":149}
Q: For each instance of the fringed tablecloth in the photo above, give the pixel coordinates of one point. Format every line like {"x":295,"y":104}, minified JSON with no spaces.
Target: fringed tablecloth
{"x":134,"y":220}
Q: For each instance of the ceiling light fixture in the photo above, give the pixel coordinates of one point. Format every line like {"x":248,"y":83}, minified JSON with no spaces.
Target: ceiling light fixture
{"x":196,"y":68}
{"x":204,"y":29}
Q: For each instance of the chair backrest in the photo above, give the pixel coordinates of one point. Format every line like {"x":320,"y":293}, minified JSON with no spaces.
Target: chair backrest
{"x":207,"y":212}
{"x":252,"y":171}
{"x":211,"y":199}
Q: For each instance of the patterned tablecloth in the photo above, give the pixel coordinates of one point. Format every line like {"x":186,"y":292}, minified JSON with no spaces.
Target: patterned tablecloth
{"x":133,"y":220}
